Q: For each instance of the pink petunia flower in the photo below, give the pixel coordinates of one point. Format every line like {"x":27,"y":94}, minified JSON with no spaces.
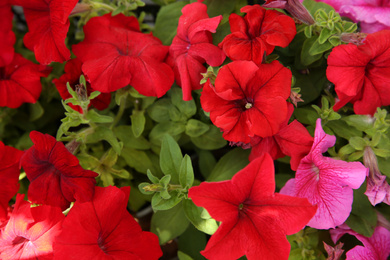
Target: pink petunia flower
{"x":192,"y":47}
{"x":373,"y":15}
{"x":55,"y":174}
{"x":30,"y":231}
{"x":326,"y":182}
{"x":255,"y":219}
{"x":376,"y":247}
{"x":104,"y":229}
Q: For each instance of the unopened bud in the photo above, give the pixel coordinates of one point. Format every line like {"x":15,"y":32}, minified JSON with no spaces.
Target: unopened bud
{"x":354,"y":38}
{"x":294,"y":7}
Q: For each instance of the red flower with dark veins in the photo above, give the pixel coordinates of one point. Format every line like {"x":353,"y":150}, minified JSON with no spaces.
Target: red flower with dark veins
{"x":115,"y":53}
{"x":248,"y":100}
{"x":255,"y":219}
{"x":48,"y":24}
{"x":7,"y":37}
{"x":56,"y":177}
{"x":257,"y":33}
{"x":361,"y":74}
{"x":30,"y":232}
{"x":72,"y":75}
{"x":104,"y":229}
{"x":20,"y":82}
{"x":292,"y":140}
{"x":9,"y":177}
{"x":192,"y":47}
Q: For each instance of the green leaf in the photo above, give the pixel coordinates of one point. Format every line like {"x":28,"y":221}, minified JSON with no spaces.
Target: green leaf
{"x":183,"y":256}
{"x":192,"y":241}
{"x":363,"y":217}
{"x":306,"y":57}
{"x":195,"y":128}
{"x":222,"y":31}
{"x":141,"y":188}
{"x":173,"y":129}
{"x":167,"y":20}
{"x":120,"y":9}
{"x":138,"y":122}
{"x":313,"y":6}
{"x":308,"y":31}
{"x":360,"y":122}
{"x":159,"y":111}
{"x":384,"y":165}
{"x":319,"y":48}
{"x":229,"y":165}
{"x":139,"y":160}
{"x":334,"y":40}
{"x":211,"y":140}
{"x":194,"y":213}
{"x":324,"y":35}
{"x":93,"y":116}
{"x":170,"y":158}
{"x":187,"y":108}
{"x":207,"y":163}
{"x":36,"y":111}
{"x":341,"y":128}
{"x":151,"y":177}
{"x":126,"y":135}
{"x":358,"y":143}
{"x":168,"y":224}
{"x":104,"y":133}
{"x":306,"y":115}
{"x":217,"y":7}
{"x":186,"y":174}
{"x":166,"y":204}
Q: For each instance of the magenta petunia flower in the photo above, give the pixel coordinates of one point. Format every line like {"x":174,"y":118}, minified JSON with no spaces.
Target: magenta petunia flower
{"x":255,"y":219}
{"x":55,"y":174}
{"x":193,"y":46}
{"x":104,"y":229}
{"x":376,"y":247}
{"x":373,"y":15}
{"x":30,"y":231}
{"x":326,"y":182}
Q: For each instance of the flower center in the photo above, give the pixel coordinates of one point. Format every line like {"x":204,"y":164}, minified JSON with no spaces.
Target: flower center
{"x":244,"y":104}
{"x":241,"y":206}
{"x":19,"y":240}
{"x":101,"y":243}
{"x":248,"y":105}
{"x":2,"y":74}
{"x":316,"y":171}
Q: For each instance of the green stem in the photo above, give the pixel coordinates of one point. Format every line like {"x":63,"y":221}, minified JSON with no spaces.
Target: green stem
{"x":122,"y":106}
{"x":97,"y":5}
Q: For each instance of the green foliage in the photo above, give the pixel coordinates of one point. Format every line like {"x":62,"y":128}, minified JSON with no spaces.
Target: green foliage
{"x":199,"y":217}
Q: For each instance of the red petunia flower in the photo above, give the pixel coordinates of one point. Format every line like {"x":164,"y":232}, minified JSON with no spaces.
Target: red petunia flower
{"x":72,"y":75}
{"x":115,"y":53}
{"x":361,"y":74}
{"x":20,"y":82}
{"x":48,"y":24}
{"x":7,"y":37}
{"x":257,"y":33}
{"x":30,"y":231}
{"x":104,"y":229}
{"x":55,"y":174}
{"x":292,"y":140}
{"x":9,"y":177}
{"x":255,"y":219}
{"x":248,"y":100}
{"x":192,"y":47}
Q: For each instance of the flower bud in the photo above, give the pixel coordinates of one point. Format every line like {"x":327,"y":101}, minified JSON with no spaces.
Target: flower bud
{"x":294,"y":7}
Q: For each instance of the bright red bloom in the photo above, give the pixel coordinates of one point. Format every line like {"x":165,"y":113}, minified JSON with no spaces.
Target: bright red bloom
{"x":257,"y":33}
{"x":104,"y":229}
{"x":292,"y":140}
{"x":72,"y":75}
{"x":9,"y":177}
{"x":30,"y":232}
{"x":20,"y":82}
{"x":192,"y":47}
{"x":7,"y":37}
{"x":361,"y":74}
{"x":115,"y":53}
{"x":48,"y":25}
{"x":248,"y":100}
{"x":255,"y":219}
{"x":55,"y":174}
